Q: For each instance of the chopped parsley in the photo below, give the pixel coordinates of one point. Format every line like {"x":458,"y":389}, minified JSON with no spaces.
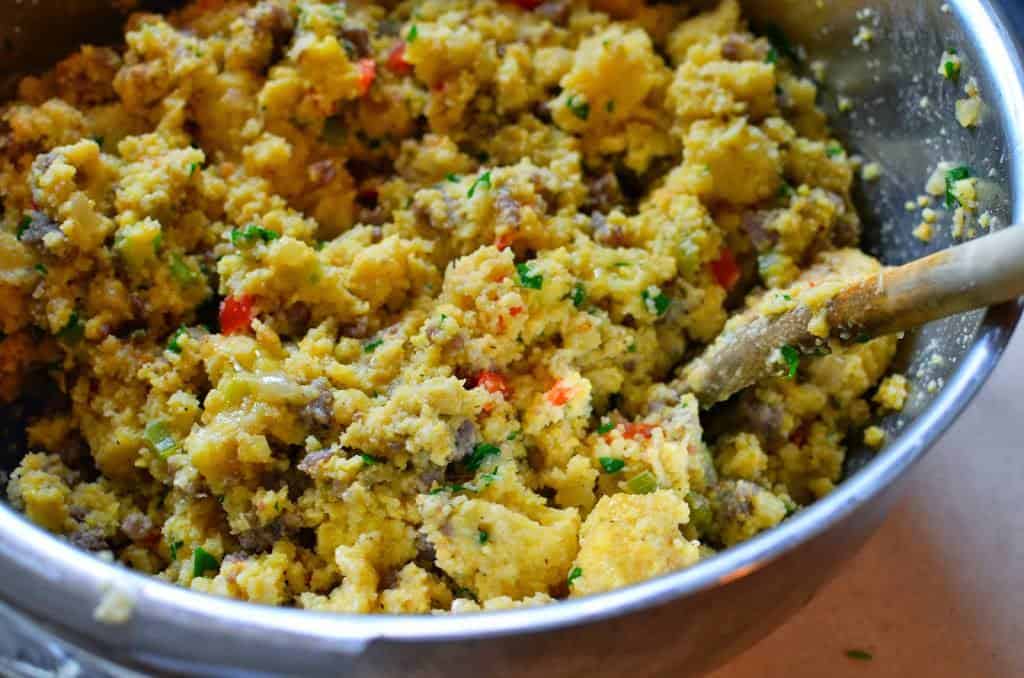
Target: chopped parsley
{"x":202,"y":562}
{"x":482,"y":537}
{"x":611,"y":464}
{"x":73,"y":331}
{"x":452,"y":177}
{"x":952,"y":176}
{"x":578,"y":295}
{"x":780,"y":42}
{"x":772,"y":57}
{"x":160,"y":439}
{"x":951,"y":68}
{"x":480,"y":452}
{"x":482,"y":181}
{"x":371,"y":346}
{"x":785,"y":191}
{"x":192,"y":167}
{"x":414,"y":32}
{"x":41,"y":269}
{"x":833,"y":151}
{"x":532,"y":281}
{"x":23,"y":225}
{"x":631,"y":348}
{"x":605,"y":427}
{"x":581,"y":109}
{"x":174,"y":345}
{"x":610,"y":106}
{"x":656,"y":303}
{"x":792,"y":358}
{"x":645,"y":483}
{"x":512,"y":436}
{"x":252,"y":232}
{"x":574,"y":574}
{"x":370,"y":460}
{"x":859,"y":655}
{"x":174,"y":546}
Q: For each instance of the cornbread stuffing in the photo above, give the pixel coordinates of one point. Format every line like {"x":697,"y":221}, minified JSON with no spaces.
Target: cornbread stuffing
{"x":376,"y":307}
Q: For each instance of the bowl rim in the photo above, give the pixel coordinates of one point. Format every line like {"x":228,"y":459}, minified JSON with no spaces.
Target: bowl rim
{"x":58,"y":583}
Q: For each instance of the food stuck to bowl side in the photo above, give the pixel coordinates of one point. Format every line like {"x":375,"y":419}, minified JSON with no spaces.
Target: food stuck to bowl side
{"x":377,"y":310}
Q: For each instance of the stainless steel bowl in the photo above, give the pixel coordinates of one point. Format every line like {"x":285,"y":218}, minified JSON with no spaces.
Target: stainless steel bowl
{"x":677,"y":624}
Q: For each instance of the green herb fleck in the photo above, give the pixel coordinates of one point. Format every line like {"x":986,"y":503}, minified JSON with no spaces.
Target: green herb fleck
{"x":952,"y":176}
{"x":23,"y":225}
{"x":41,"y":269}
{"x":192,"y":167}
{"x":252,"y":232}
{"x":631,"y":348}
{"x":532,"y":281}
{"x":452,"y":177}
{"x":513,"y":435}
{"x":181,"y":271}
{"x":174,"y":546}
{"x":371,"y":346}
{"x":202,"y":562}
{"x":485,"y":480}
{"x":605,"y":427}
{"x":785,"y":191}
{"x":370,"y":460}
{"x":645,"y":483}
{"x":611,"y":464}
{"x":772,"y":57}
{"x":574,"y":574}
{"x":73,"y":331}
{"x":656,"y":303}
{"x":610,"y":106}
{"x":860,"y":655}
{"x":950,"y":68}
{"x":792,"y":358}
{"x":578,"y":295}
{"x":581,"y":109}
{"x":833,"y":151}
{"x":482,"y":537}
{"x":483,"y":181}
{"x":480,"y":452}
{"x":99,"y":140}
{"x":174,"y":345}
{"x":160,"y":439}
{"x":414,"y":32}
{"x":780,"y":42}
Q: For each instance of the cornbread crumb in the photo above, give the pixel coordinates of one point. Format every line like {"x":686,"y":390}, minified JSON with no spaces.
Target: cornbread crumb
{"x":892,"y":392}
{"x":874,"y":436}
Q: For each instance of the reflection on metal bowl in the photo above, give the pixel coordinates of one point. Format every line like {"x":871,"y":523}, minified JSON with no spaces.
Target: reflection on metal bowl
{"x":677,"y":624}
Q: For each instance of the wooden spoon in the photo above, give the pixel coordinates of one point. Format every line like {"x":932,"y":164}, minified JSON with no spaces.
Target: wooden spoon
{"x":973,"y":275}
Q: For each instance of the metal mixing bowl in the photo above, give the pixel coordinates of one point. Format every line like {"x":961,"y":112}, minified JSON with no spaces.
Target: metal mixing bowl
{"x":679,"y":623}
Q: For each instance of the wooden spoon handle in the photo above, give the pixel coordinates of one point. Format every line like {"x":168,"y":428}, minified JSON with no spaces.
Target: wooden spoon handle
{"x":973,"y":275}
